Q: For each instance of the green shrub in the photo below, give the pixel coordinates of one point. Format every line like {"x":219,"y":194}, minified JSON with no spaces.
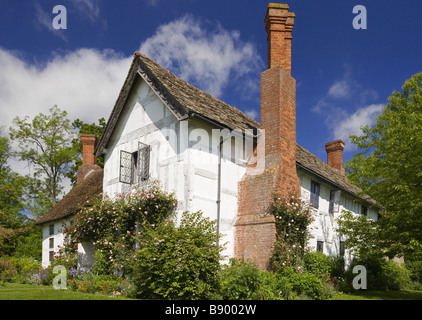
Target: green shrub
{"x":87,"y":281}
{"x":177,"y":262}
{"x":415,"y":268}
{"x":7,"y":270}
{"x":305,"y":284}
{"x":318,"y":263}
{"x":308,"y":284}
{"x":273,"y":287}
{"x":382,"y":274}
{"x":396,"y":276}
{"x":239,"y":280}
{"x":27,"y":270}
{"x":102,"y":264}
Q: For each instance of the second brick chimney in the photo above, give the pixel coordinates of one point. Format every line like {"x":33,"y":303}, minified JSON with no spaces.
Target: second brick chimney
{"x":256,"y":234}
{"x":335,"y":155}
{"x":88,"y":158}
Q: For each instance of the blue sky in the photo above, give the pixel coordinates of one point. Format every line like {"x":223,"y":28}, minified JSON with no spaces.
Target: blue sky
{"x":344,"y":76}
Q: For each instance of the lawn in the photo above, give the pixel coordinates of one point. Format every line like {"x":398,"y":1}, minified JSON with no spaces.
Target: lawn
{"x":13,"y":291}
{"x":380,"y":295}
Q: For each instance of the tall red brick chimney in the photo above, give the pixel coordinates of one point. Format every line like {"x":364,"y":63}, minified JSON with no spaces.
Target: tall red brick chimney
{"x":335,"y":155}
{"x":255,"y":235}
{"x":278,"y":99}
{"x":88,"y":157}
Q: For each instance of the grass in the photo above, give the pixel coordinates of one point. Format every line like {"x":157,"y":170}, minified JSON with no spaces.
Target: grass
{"x":14,"y":291}
{"x":380,"y":295}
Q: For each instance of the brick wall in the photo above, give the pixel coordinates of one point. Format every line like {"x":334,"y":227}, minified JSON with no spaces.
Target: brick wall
{"x":255,"y":233}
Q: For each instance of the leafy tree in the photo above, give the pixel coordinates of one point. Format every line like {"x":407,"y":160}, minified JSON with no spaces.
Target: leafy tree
{"x":389,"y":168}
{"x":12,"y":217}
{"x":85,"y":128}
{"x":362,"y":235}
{"x":11,"y":190}
{"x":45,"y":143}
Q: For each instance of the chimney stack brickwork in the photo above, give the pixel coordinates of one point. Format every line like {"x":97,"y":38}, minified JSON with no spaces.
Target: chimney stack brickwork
{"x":89,"y":163}
{"x":88,"y":147}
{"x":279,"y":24}
{"x":255,"y":232}
{"x":335,"y":155}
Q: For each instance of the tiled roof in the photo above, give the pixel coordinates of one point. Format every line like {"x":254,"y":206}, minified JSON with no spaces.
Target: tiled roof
{"x":183,"y":99}
{"x":313,"y":164}
{"x":88,"y":189}
{"x":198,"y":101}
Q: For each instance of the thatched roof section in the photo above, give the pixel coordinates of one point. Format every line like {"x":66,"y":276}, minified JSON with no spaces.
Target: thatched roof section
{"x":90,"y":188}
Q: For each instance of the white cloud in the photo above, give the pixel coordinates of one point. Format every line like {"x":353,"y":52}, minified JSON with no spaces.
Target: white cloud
{"x":347,"y":106}
{"x":207,"y":59}
{"x":350,"y":124}
{"x":253,"y":114}
{"x":85,"y":83}
{"x":340,"y":89}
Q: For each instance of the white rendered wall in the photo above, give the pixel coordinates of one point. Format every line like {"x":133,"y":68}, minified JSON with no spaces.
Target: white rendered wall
{"x":324,"y":226}
{"x":57,"y":236}
{"x":183,"y":158}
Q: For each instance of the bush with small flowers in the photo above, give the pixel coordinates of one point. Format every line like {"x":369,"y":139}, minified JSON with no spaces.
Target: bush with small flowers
{"x":292,"y":218}
{"x":112,"y":224}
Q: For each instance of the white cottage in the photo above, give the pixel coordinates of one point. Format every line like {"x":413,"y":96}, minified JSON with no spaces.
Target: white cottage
{"x":214,"y":157}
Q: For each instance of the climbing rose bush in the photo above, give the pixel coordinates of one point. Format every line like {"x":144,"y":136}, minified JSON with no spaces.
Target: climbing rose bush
{"x":112,"y":224}
{"x":292,"y":218}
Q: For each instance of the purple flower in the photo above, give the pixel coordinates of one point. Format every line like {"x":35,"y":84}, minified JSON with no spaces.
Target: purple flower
{"x":73,"y":272}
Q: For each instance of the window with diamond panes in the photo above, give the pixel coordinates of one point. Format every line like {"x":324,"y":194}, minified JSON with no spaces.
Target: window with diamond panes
{"x":134,"y":167}
{"x":126,"y":167}
{"x":143,"y":161}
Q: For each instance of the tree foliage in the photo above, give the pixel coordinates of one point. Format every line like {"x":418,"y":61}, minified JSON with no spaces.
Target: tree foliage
{"x":11,"y":190}
{"x":45,"y":144}
{"x":389,"y":167}
{"x":12,"y":206}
